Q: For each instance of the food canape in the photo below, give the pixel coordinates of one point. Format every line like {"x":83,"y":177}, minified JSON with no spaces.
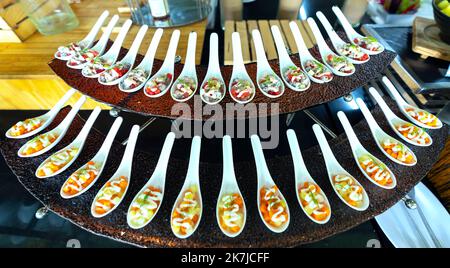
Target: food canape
{"x":313,"y":201}
{"x":187,"y":213}
{"x":57,"y":161}
{"x":68,"y":50}
{"x":296,"y":78}
{"x":369,"y":43}
{"x":145,"y":206}
{"x":353,"y":51}
{"x":38,"y":143}
{"x":349,"y":190}
{"x":231,"y":213}
{"x":376,"y":170}
{"x":184,"y":87}
{"x":271,"y":84}
{"x":213,"y":90}
{"x":318,"y":70}
{"x":83,"y":56}
{"x":398,"y":151}
{"x":135,"y":78}
{"x":242,"y":89}
{"x":81,"y":179}
{"x":158,"y":84}
{"x":97,"y":66}
{"x":114,"y":72}
{"x":423,"y":117}
{"x":110,"y":195}
{"x":273,"y":207}
{"x":340,"y":63}
{"x":26,"y":126}
{"x":414,"y":134}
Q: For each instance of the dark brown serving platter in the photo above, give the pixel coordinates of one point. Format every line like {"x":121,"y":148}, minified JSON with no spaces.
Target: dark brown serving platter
{"x":291,"y":101}
{"x":158,"y":233}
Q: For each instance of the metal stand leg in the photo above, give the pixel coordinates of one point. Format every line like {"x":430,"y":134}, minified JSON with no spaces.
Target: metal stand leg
{"x":114,"y":112}
{"x":41,"y":213}
{"x":320,"y":123}
{"x":289,"y":118}
{"x":144,"y":126}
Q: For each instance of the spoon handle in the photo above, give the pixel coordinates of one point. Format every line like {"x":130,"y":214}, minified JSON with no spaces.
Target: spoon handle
{"x":110,"y":138}
{"x":190,"y":54}
{"x":88,"y":125}
{"x":323,"y":47}
{"x":115,"y":48}
{"x":62,"y":101}
{"x":352,"y":138}
{"x":90,"y":37}
{"x":261,"y":59}
{"x":161,"y":166}
{"x":228,"y":166}
{"x":398,"y":98}
{"x":238,"y":61}
{"x":328,"y":155}
{"x":299,"y":163}
{"x":344,"y":22}
{"x":281,"y":48}
{"x":194,"y":160}
{"x":386,"y":110}
{"x":101,"y":44}
{"x":73,"y":112}
{"x":261,"y":166}
{"x":214,"y":65}
{"x":369,"y":117}
{"x":147,"y":61}
{"x":129,"y":150}
{"x":171,"y":51}
{"x":131,"y":55}
{"x":302,"y":49}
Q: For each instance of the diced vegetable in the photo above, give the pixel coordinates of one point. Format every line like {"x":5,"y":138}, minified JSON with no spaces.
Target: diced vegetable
{"x":134,"y":78}
{"x":313,"y":201}
{"x":145,"y":206}
{"x":369,"y":43}
{"x":158,"y":84}
{"x":26,"y":126}
{"x":318,"y":70}
{"x":296,"y":78}
{"x":114,"y":72}
{"x":38,"y":143}
{"x":376,"y":170}
{"x":184,"y":87}
{"x":398,"y":151}
{"x":423,"y":117}
{"x":213,"y":90}
{"x":83,"y":56}
{"x":353,"y":51}
{"x":413,"y":133}
{"x":340,"y":64}
{"x":110,"y":195}
{"x":81,"y":179}
{"x":68,"y":51}
{"x":231,"y":212}
{"x":242,"y":89}
{"x":97,"y":66}
{"x":347,"y":188}
{"x":57,"y":161}
{"x":186,"y":215}
{"x":273,"y":207}
{"x":270,"y":84}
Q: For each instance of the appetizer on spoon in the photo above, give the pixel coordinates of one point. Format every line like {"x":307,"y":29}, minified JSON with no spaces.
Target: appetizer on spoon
{"x":351,"y":51}
{"x":80,"y":58}
{"x":136,"y":78}
{"x":272,"y":206}
{"x":160,"y":82}
{"x":148,"y":200}
{"x":292,"y":75}
{"x":339,"y":65}
{"x":407,"y":131}
{"x":186,"y":84}
{"x":312,"y":199}
{"x":67,"y":51}
{"x":347,"y":188}
{"x":368,"y":44}
{"x":83,"y":178}
{"x":241,"y":87}
{"x":316,"y":71}
{"x":373,"y":168}
{"x":212,"y":90}
{"x":231,"y":212}
{"x":188,"y":207}
{"x":116,"y":73}
{"x":392,"y":148}
{"x":113,"y":191}
{"x":269,"y":83}
{"x":99,"y":64}
{"x":62,"y":159}
{"x":418,"y":116}
{"x":31,"y":126}
{"x":46,"y":141}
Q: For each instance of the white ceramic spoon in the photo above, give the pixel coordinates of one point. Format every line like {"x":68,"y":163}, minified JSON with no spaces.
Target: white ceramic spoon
{"x":188,"y":74}
{"x":99,"y":47}
{"x":213,"y":74}
{"x":76,"y":144}
{"x":396,"y":123}
{"x":264,"y":71}
{"x":380,"y":136}
{"x":266,"y":182}
{"x":151,"y":195}
{"x":339,"y":44}
{"x":404,"y":107}
{"x":306,"y":57}
{"x":45,"y":119}
{"x":240,"y":75}
{"x":145,"y":66}
{"x":127,"y":60}
{"x":191,"y":184}
{"x":360,"y":154}
{"x":335,"y":169}
{"x":238,"y":214}
{"x":303,"y":82}
{"x":110,"y":57}
{"x":99,"y":161}
{"x":123,"y":171}
{"x":328,"y":55}
{"x":86,"y":42}
{"x":166,"y":71}
{"x":59,"y":131}
{"x":352,"y":35}
{"x":302,"y":176}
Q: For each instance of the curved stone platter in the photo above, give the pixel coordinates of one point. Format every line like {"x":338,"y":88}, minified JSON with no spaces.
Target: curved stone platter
{"x":158,"y":232}
{"x":261,"y":106}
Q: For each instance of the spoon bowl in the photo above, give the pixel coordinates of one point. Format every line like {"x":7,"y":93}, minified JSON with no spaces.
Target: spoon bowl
{"x":385,"y":142}
{"x":380,"y":174}
{"x":292,"y":75}
{"x":269,"y":193}
{"x":44,"y":120}
{"x":346,"y":187}
{"x":160,"y":82}
{"x":109,"y":197}
{"x":147,"y":202}
{"x":303,"y":178}
{"x":231,"y":212}
{"x":67,"y":155}
{"x":316,"y":71}
{"x":411,"y":112}
{"x":46,"y":141}
{"x":407,"y":131}
{"x":212,"y":90}
{"x":185,"y":223}
{"x":136,"y":79}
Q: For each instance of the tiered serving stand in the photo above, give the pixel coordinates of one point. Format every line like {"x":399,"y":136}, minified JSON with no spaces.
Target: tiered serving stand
{"x":158,"y":233}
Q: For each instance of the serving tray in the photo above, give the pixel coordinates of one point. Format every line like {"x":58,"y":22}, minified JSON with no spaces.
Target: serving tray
{"x":158,"y":232}
{"x":290,"y":101}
